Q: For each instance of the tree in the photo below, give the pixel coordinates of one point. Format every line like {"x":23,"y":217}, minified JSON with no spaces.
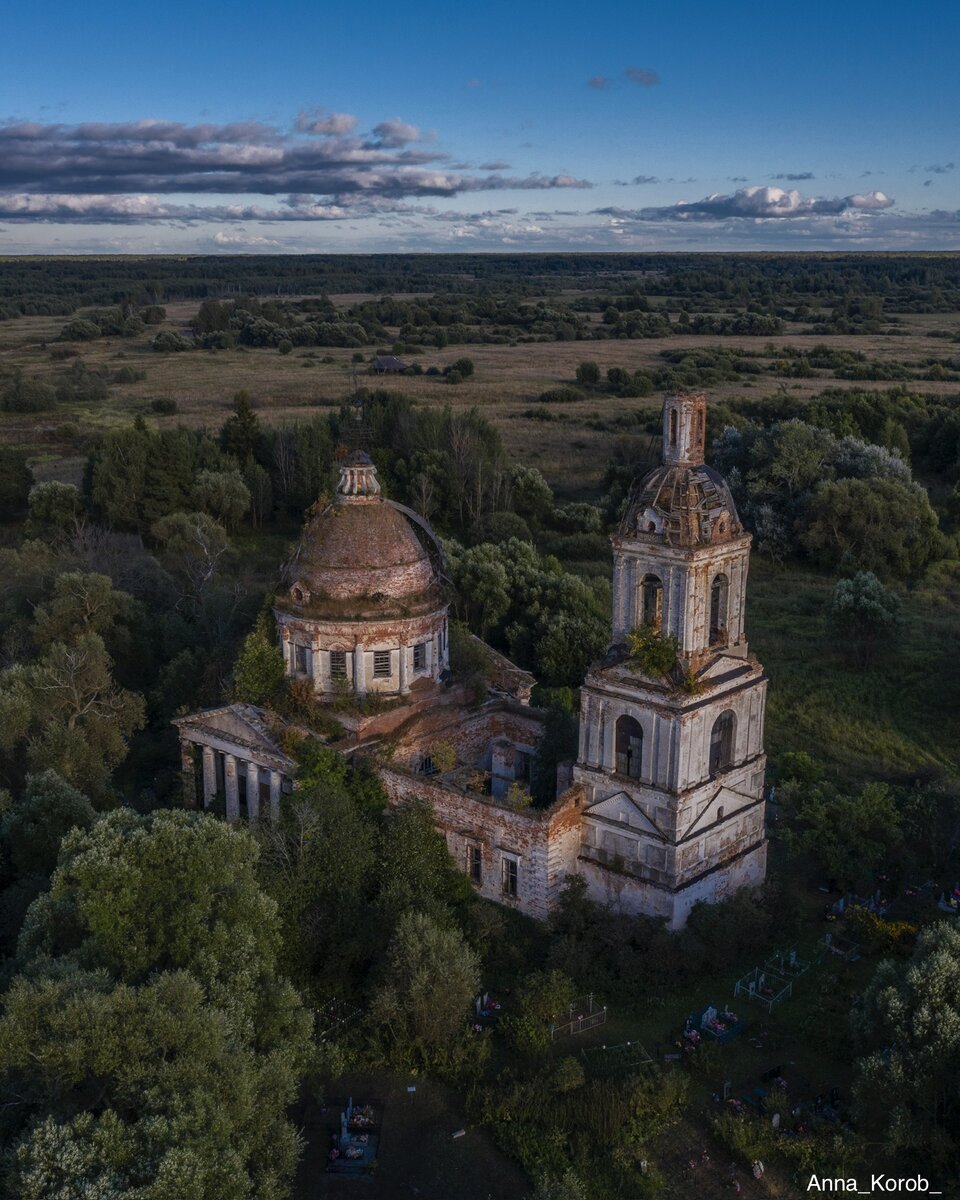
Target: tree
{"x":588,"y":374}
{"x":55,"y":509}
{"x":16,"y":479}
{"x":241,"y":434}
{"x":875,"y":525}
{"x":194,"y":548}
{"x":851,"y":836}
{"x":81,"y":604}
{"x":70,"y":714}
{"x":863,"y":614}
{"x":416,"y":871}
{"x":907,"y":1090}
{"x":152,"y":1048}
{"x":429,"y":981}
{"x":31,"y":830}
{"x":531,"y":495}
{"x":223,"y":495}
{"x":259,"y":672}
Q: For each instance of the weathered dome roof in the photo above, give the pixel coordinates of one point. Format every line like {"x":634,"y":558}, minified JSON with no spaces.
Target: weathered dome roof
{"x":682,"y":506}
{"x":359,"y":547}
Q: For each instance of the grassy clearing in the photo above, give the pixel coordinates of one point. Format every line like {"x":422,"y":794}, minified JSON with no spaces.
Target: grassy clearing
{"x":892,"y":721}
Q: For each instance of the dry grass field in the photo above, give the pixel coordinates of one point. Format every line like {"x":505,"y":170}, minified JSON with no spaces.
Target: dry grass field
{"x":569,"y":449}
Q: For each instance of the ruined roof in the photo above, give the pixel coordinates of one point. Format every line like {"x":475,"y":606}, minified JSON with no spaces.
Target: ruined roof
{"x":683,"y":502}
{"x":361,"y":547}
{"x":682,"y":506}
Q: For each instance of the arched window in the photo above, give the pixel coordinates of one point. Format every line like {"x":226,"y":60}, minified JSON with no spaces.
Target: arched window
{"x":629,"y":747}
{"x":719,"y":590}
{"x":721,"y":742}
{"x":673,"y":426}
{"x":651,"y":601}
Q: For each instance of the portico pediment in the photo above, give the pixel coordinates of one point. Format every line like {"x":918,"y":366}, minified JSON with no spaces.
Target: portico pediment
{"x":239,"y":726}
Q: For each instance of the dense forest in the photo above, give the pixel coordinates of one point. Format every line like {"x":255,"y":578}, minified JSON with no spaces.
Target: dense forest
{"x":164,"y":972}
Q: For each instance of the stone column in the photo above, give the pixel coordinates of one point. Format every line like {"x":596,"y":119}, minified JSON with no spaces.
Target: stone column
{"x":253,"y":792}
{"x":230,"y":787}
{"x":209,"y":777}
{"x":275,"y":780}
{"x":404,"y":685}
{"x":359,"y":671}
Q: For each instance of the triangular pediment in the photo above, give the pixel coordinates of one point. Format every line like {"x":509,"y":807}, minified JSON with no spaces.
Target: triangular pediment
{"x":726,"y":798}
{"x":621,"y":809}
{"x":722,"y":665}
{"x":241,"y":725}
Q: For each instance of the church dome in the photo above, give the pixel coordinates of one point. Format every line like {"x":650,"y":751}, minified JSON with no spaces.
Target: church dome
{"x":359,"y":547}
{"x":682,"y":506}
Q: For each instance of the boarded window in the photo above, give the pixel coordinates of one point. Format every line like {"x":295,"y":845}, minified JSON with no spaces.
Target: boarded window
{"x":381,"y":663}
{"x":338,"y":664}
{"x":629,"y":747}
{"x":420,"y":656}
{"x":509,"y":875}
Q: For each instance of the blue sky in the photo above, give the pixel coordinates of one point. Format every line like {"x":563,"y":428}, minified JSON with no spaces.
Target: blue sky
{"x":313,"y":127}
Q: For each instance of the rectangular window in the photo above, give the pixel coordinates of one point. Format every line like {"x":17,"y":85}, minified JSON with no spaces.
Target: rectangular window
{"x":475,"y":863}
{"x":509,"y":873}
{"x":338,"y":664}
{"x":381,"y":664}
{"x":521,"y":765}
{"x":301,"y":659}
{"x":420,"y":656}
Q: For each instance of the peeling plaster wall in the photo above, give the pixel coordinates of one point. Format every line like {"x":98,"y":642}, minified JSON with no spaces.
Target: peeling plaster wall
{"x":543,"y":842}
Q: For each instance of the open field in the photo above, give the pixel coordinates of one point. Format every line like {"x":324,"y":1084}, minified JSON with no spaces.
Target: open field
{"x":570,"y":443}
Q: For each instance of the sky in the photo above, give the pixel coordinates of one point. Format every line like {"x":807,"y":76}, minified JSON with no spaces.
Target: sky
{"x":302,"y":127}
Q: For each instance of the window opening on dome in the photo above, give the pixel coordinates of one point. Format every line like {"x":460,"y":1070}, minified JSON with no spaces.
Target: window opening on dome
{"x":721,"y":742}
{"x":420,"y":656}
{"x":629,"y":747}
{"x":651,"y":601}
{"x":338,"y":664}
{"x":297,"y":593}
{"x":718,"y":610}
{"x":381,"y":664}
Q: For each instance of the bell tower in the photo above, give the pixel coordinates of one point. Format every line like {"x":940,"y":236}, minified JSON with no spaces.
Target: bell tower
{"x":673,"y":763}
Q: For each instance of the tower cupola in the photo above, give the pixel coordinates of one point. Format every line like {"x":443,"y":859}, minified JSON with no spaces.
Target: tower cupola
{"x":684,"y":429}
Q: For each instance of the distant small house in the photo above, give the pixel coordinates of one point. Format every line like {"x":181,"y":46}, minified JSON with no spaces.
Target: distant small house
{"x":387,"y":364}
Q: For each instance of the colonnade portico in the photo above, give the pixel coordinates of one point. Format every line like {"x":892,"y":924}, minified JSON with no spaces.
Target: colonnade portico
{"x":254,"y":774}
{"x":238,"y":756}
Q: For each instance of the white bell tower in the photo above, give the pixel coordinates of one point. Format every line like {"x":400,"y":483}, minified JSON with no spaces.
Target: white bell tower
{"x":673,"y":764}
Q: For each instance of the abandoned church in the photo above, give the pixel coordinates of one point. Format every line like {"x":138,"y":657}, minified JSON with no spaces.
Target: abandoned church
{"x":664,"y":806}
